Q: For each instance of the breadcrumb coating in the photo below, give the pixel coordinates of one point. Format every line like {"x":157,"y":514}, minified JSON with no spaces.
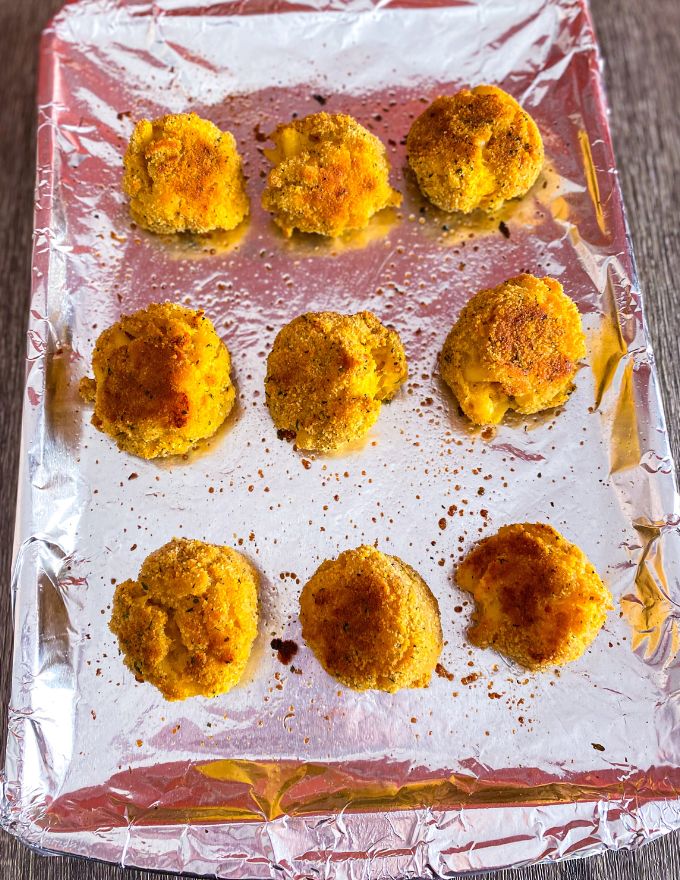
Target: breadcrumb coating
{"x":371,"y":621}
{"x":330,"y":175}
{"x":183,"y":174}
{"x":328,"y":374}
{"x":188,"y":623}
{"x":161,"y":381}
{"x":515,"y":346}
{"x":474,"y":149}
{"x":538,"y":600}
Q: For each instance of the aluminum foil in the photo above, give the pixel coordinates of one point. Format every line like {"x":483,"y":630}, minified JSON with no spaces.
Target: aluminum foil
{"x":291,"y":775}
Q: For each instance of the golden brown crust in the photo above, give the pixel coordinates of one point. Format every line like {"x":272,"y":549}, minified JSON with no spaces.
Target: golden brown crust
{"x":474,"y":149}
{"x":537,"y":598}
{"x":161,"y":381}
{"x":514,"y":346}
{"x":330,"y":175}
{"x":371,"y":621}
{"x":188,"y":623}
{"x":328,"y":374}
{"x":183,"y":174}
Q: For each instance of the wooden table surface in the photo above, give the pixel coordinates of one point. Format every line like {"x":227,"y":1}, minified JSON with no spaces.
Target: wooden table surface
{"x":640,"y":42}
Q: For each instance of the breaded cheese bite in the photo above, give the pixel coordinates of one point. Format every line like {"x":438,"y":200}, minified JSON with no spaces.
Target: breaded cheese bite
{"x":371,"y":621}
{"x":188,"y":623}
{"x":475,"y":149}
{"x":328,"y":375}
{"x":538,"y":600}
{"x":515,"y":346}
{"x":161,"y":381}
{"x":330,"y":175}
{"x":183,"y":174}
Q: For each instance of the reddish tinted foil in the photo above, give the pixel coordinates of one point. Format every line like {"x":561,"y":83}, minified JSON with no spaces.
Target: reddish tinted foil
{"x":291,"y":774}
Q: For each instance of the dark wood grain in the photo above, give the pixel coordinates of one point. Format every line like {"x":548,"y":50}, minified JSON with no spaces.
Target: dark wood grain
{"x":641,"y":45}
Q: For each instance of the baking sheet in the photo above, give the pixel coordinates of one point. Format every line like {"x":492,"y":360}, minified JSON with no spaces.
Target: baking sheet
{"x":290,"y":773}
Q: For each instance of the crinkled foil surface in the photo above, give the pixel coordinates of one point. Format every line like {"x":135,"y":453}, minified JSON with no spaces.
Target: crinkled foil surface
{"x":291,"y":775}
